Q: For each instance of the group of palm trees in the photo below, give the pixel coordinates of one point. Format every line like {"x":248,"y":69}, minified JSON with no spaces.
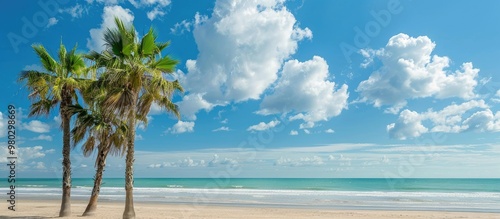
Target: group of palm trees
{"x":117,"y":87}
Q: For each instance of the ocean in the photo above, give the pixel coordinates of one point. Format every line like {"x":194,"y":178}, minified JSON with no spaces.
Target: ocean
{"x":478,"y":195}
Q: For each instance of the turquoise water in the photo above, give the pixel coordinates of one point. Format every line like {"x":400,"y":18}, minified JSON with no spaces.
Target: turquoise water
{"x":482,"y":195}
{"x":443,"y":185}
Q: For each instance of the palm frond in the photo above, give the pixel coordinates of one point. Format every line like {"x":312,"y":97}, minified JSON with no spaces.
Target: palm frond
{"x":47,"y":61}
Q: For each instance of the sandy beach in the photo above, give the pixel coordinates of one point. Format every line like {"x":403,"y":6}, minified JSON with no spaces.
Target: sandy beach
{"x":50,"y":208}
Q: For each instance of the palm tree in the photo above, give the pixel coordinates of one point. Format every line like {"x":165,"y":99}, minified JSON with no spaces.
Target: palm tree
{"x":107,"y":133}
{"x":57,"y":84}
{"x":134,"y":80}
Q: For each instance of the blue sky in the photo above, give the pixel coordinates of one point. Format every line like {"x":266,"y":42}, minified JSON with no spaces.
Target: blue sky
{"x":275,"y":88}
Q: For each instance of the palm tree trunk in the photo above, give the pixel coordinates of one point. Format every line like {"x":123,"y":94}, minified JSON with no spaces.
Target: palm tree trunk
{"x":101,"y":163}
{"x":129,"y":212}
{"x":66,"y":181}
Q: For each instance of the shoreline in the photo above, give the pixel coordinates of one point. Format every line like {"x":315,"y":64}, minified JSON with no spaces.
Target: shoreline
{"x":31,"y":208}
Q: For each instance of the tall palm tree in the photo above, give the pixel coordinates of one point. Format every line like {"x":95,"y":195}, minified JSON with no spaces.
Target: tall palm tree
{"x":57,"y":85}
{"x":101,"y":131}
{"x":134,"y":80}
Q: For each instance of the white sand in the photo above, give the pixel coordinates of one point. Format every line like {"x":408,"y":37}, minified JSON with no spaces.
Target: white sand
{"x":50,"y":209}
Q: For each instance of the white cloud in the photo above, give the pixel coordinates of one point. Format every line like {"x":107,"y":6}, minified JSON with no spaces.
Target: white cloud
{"x":410,"y":71}
{"x":329,"y":131}
{"x":186,"y":26}
{"x":409,"y":124}
{"x":186,"y":162}
{"x":181,"y":27}
{"x":43,"y":137}
{"x":294,"y":132}
{"x":57,"y":119}
{"x":155,"y":109}
{"x":158,"y":165}
{"x":158,"y":10}
{"x":223,"y":128}
{"x":472,"y":115}
{"x":155,"y":13}
{"x":144,"y":3}
{"x":304,"y":89}
{"x":75,"y":11}
{"x":181,"y":127}
{"x":306,"y":125}
{"x":139,"y":137}
{"x":141,"y":124}
{"x":36,"y":126}
{"x":40,"y":166}
{"x":307,"y":131}
{"x":262,"y":126}
{"x":222,"y":162}
{"x":191,"y":104}
{"x":52,"y":21}
{"x":24,"y":154}
{"x":106,"y":2}
{"x":96,"y":42}
{"x":303,"y":161}
{"x":238,"y":60}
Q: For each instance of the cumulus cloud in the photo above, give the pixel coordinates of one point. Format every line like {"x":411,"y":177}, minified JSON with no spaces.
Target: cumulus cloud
{"x":473,"y":115}
{"x":329,"y":131}
{"x":96,"y":42}
{"x":43,"y":137}
{"x":305,"y":90}
{"x":24,"y":154}
{"x":158,"y":7}
{"x":238,"y":60}
{"x":186,"y":26}
{"x":106,"y":2}
{"x":52,"y":21}
{"x":139,"y":137}
{"x":216,"y":161}
{"x":156,"y":12}
{"x":143,"y":3}
{"x":40,"y":166}
{"x":181,"y":127}
{"x":223,"y":128}
{"x":191,"y":104}
{"x":155,"y":109}
{"x":262,"y":126}
{"x":57,"y":119}
{"x":303,"y":161}
{"x":294,"y":132}
{"x":409,"y":124}
{"x":186,"y":162}
{"x":36,"y":126}
{"x":75,"y":11}
{"x":181,"y":27}
{"x":409,"y":71}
